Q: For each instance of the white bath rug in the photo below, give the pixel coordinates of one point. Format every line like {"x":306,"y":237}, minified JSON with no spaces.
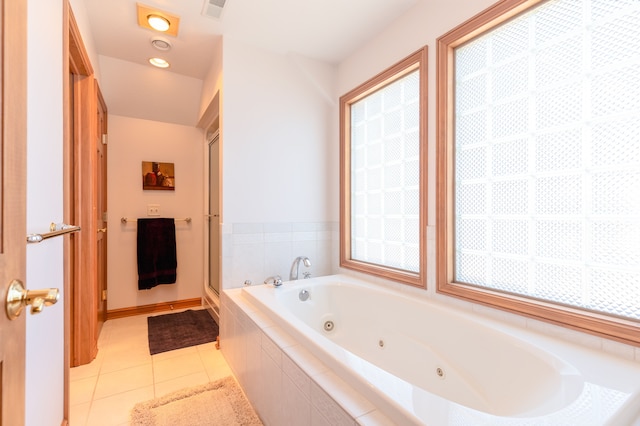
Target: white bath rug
{"x":216,"y":403}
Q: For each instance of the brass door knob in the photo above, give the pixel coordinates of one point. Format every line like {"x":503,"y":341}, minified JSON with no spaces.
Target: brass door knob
{"x":18,"y":297}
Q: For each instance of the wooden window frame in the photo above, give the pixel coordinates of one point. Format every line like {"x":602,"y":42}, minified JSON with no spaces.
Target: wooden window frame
{"x":415,"y":61}
{"x":602,"y":325}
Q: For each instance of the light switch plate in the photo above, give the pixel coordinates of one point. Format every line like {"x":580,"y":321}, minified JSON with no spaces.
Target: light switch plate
{"x":153,"y":209}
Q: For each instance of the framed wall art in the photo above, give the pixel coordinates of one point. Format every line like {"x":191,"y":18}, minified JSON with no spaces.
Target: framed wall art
{"x":158,"y":176}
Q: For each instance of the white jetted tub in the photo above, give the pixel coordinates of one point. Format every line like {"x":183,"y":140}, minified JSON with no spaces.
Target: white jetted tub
{"x":423,"y":363}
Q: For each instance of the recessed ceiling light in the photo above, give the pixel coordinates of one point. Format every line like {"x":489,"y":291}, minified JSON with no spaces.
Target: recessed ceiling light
{"x":158,"y":22}
{"x":161,"y":43}
{"x":161,"y":20}
{"x":159,"y":62}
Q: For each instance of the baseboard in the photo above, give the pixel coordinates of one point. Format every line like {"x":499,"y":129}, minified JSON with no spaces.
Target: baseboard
{"x":156,"y":307}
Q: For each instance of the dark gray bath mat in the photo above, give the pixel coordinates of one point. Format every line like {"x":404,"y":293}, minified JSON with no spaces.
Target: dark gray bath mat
{"x":180,"y":330}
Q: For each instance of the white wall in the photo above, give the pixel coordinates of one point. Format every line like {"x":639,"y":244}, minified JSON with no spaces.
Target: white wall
{"x":45,"y":331}
{"x":279,"y":191}
{"x":421,"y":25}
{"x":276,"y":136}
{"x":212,"y":83}
{"x":132,"y":141}
{"x":139,"y":91}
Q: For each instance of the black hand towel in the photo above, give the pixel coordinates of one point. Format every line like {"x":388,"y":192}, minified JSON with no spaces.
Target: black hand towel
{"x":157,"y":262}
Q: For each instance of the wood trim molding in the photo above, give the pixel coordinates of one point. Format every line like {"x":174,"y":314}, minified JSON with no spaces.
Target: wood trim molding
{"x":79,"y":62}
{"x":486,"y":20}
{"x":415,"y":61}
{"x":622,"y":330}
{"x":80,"y":163}
{"x":153,"y":308}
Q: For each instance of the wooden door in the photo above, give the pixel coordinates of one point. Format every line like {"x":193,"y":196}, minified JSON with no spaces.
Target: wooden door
{"x":13,"y":228}
{"x":101,"y":181}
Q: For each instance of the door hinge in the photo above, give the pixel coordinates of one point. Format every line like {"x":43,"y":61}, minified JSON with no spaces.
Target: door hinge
{"x":104,"y":139}
{"x":105,"y":216}
{"x":104,"y":295}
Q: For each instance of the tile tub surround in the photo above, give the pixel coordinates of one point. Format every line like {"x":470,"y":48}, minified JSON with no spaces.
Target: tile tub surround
{"x":614,"y":367}
{"x":284,"y":382}
{"x":254,"y":251}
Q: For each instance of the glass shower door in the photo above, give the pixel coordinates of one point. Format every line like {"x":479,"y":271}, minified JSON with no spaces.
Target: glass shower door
{"x":214,"y":213}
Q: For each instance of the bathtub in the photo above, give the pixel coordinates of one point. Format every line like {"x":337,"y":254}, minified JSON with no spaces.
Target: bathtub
{"x":420,"y":362}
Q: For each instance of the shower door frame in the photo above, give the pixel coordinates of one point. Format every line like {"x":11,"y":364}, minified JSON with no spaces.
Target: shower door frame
{"x":213,"y":234}
{"x":210,"y":123}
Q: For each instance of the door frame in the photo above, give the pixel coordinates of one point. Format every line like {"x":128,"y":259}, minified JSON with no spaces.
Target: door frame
{"x":80,"y":104}
{"x":101,"y":213}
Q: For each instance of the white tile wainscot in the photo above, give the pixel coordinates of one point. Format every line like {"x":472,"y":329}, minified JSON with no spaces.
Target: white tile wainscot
{"x":255,"y":251}
{"x":285,"y":383}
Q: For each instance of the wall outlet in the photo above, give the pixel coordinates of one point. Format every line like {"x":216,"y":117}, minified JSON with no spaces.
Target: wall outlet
{"x":153,"y":209}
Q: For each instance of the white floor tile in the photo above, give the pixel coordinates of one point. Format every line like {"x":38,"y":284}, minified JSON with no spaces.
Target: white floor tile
{"x":124,"y":373}
{"x":218,"y":372}
{"x":79,"y":413}
{"x":124,"y":380}
{"x":85,"y":371}
{"x":116,"y":409}
{"x":122,"y":359}
{"x":82,"y":390}
{"x":176,"y":353}
{"x":163,"y":388}
{"x":173,"y":368}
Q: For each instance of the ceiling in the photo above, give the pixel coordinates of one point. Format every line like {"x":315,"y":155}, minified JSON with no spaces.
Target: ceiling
{"x":327,"y":30}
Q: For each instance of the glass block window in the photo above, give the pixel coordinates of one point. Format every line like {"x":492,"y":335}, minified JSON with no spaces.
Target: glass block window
{"x":385,"y":175}
{"x":546,"y":156}
{"x":382,"y":168}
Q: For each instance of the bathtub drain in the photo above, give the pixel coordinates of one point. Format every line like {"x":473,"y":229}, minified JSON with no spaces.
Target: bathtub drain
{"x":328,"y":325}
{"x":303,"y":295}
{"x":440,"y":372}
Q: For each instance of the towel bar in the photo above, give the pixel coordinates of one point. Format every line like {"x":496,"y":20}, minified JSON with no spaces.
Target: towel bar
{"x":125,"y":220}
{"x":54,"y":232}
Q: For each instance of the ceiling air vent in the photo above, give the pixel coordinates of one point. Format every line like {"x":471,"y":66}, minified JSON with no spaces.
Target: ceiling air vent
{"x":161,"y":43}
{"x":213,"y":8}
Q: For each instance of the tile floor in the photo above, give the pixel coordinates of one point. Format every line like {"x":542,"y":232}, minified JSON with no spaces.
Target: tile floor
{"x":103,"y":392}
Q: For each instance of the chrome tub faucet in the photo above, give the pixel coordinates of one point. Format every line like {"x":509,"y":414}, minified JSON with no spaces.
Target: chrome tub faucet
{"x":295,"y":267}
{"x":276,"y":280}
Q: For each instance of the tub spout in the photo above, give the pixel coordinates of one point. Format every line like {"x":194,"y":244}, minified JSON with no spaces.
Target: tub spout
{"x":276,"y":280}
{"x":295,"y":267}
